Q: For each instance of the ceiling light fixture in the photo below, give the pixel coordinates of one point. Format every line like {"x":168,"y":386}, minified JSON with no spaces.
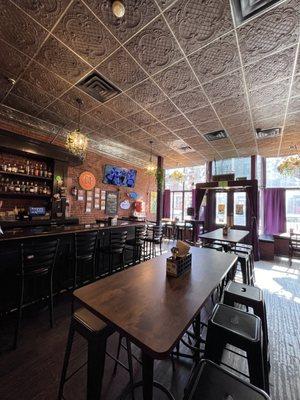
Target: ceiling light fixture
{"x":118,"y":8}
{"x":151,"y":167}
{"x":177,"y":175}
{"x":290,"y":166}
{"x":77,"y":142}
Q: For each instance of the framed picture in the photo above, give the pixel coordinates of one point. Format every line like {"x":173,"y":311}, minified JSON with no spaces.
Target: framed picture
{"x":153,"y":202}
{"x":80,"y":195}
{"x":111,"y":203}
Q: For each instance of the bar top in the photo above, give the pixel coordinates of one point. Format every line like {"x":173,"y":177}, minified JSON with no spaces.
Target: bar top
{"x":43,"y":231}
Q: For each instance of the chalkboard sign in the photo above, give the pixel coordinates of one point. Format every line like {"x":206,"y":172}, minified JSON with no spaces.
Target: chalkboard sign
{"x":111,"y":203}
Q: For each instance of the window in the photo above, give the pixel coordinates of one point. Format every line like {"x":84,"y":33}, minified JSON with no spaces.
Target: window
{"x":181,"y":192}
{"x":221,"y":208}
{"x":292,"y":201}
{"x":275,"y":179}
{"x":241,"y":167}
{"x":239,"y":209}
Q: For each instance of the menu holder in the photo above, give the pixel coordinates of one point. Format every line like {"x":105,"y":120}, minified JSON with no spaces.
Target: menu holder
{"x":179,"y":266}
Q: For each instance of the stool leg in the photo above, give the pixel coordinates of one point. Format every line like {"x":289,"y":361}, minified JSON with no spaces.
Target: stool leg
{"x":19,"y":317}
{"x":214,"y":346}
{"x":130,"y":365}
{"x":66,"y":361}
{"x":257,"y":368}
{"x":95,"y":367}
{"x":118,"y":354}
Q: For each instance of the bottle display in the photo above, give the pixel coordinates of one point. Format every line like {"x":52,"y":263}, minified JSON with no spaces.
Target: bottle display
{"x":27,"y":167}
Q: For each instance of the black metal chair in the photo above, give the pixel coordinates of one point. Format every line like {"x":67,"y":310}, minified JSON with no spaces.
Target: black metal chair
{"x":294,"y":247}
{"x":209,"y":381}
{"x":245,"y":258}
{"x":229,"y":325}
{"x":154,"y":237}
{"x":116,"y":247}
{"x":137,"y":244}
{"x":37,"y":260}
{"x":96,"y":332}
{"x":85,"y":251}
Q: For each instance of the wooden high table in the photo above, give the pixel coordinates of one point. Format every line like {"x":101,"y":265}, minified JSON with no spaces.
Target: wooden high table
{"x":234,"y":236}
{"x":151,"y":309}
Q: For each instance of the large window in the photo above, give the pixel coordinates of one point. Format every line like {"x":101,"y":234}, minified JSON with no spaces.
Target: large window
{"x":292,"y":201}
{"x":241,"y":167}
{"x":181,"y":191}
{"x":275,"y":179}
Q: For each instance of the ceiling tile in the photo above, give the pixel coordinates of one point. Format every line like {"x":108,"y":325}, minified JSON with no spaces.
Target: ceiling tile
{"x":73,"y":94}
{"x":211,"y":126}
{"x":268,"y":111}
{"x":165,"y":3}
{"x":187,"y":133}
{"x":176,"y":79}
{"x":45,"y":80}
{"x":222,"y":145}
{"x":269,"y":94}
{"x":190,"y":100}
{"x":21,"y":104}
{"x":60,"y":60}
{"x":156,"y":129}
{"x":168,"y":138}
{"x":85,"y":34}
{"x":105,"y":114}
{"x":12,"y":62}
{"x":294,"y":105}
{"x":123,"y":125}
{"x":142,"y":118}
{"x":122,"y":70}
{"x":5,"y":86}
{"x":236,"y":119}
{"x":107,"y":131}
{"x":146,"y":93}
{"x":272,"y":31}
{"x":64,"y":110}
{"x":270,"y":69}
{"x":197,"y":22}
{"x":218,"y":58}
{"x":233,"y":105}
{"x":176,"y":123}
{"x":138,"y":13}
{"x":296,"y":86}
{"x":32,"y":94}
{"x":154,"y":47}
{"x":269,"y":123}
{"x":201,"y":115}
{"x":45,"y":12}
{"x":123,"y":105}
{"x":139,"y":134}
{"x":164,"y":110}
{"x":19,"y":30}
{"x":55,"y":119}
{"x":225,"y":86}
{"x":293,"y":119}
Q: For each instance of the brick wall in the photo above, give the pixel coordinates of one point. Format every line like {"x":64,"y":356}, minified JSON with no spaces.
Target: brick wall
{"x":95,"y":164}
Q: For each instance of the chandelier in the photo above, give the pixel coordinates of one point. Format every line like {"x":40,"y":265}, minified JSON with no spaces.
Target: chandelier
{"x":290,"y":166}
{"x":177,"y":175}
{"x":151,"y":167}
{"x":77,"y":142}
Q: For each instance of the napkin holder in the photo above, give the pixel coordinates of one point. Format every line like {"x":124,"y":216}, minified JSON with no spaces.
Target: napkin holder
{"x":180,"y":261}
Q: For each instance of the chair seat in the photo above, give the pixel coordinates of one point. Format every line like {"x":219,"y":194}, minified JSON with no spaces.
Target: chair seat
{"x":212,"y":382}
{"x":237,"y":321}
{"x":36,"y":272}
{"x":244,"y":291}
{"x":89,"y":320}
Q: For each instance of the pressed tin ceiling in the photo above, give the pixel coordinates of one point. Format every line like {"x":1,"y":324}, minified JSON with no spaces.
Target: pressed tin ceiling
{"x":183,"y":67}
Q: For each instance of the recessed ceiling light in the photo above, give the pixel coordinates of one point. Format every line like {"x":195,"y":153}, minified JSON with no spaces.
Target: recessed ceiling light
{"x":118,"y":9}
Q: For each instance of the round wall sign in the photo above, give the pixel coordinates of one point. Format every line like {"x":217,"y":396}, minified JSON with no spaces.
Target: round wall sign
{"x":125,"y":205}
{"x":87,"y":180}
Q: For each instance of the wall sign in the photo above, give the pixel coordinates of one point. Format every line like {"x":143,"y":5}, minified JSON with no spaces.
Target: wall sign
{"x":87,"y":180}
{"x":111,"y":203}
{"x":125,"y":205}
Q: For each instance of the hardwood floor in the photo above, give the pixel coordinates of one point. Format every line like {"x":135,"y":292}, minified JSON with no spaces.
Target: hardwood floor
{"x":32,"y":372}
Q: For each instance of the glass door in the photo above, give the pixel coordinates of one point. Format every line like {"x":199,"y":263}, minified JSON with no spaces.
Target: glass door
{"x":231,"y":208}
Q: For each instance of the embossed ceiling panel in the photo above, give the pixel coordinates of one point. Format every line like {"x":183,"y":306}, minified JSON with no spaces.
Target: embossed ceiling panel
{"x":122,"y":70}
{"x":154,"y":47}
{"x":85,"y":34}
{"x":182,"y":67}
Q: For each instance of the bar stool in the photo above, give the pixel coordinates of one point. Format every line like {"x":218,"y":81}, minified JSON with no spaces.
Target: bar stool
{"x":154,"y":237}
{"x":117,"y":243}
{"x":96,"y":332}
{"x":85,"y":250}
{"x":249,"y":249}
{"x":229,"y":325}
{"x":36,"y":263}
{"x":137,"y":244}
{"x":245,"y":264}
{"x":249,"y":296}
{"x":209,"y":381}
{"x":214,"y":246}
{"x":180,"y":231}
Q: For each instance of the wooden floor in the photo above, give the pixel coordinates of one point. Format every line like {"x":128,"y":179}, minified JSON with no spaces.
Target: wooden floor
{"x":32,"y":371}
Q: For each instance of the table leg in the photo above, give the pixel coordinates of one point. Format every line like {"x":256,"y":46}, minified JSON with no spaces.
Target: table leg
{"x":197,"y":329}
{"x":148,"y":363}
{"x":95,"y":368}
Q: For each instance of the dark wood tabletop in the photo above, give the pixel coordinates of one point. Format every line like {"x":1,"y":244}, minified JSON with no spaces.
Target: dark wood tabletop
{"x":234,"y":235}
{"x":154,"y":310}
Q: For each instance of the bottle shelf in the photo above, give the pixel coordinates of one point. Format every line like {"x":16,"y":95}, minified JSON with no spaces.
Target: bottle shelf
{"x":25,"y":195}
{"x":4,"y":173}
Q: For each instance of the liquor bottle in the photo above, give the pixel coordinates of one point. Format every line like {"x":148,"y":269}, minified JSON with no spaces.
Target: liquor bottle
{"x":17,"y":187}
{"x":31,"y":188}
{"x":31,"y":169}
{"x":23,"y":187}
{"x":41,"y":172}
{"x":11,"y":187}
{"x":9,"y":168}
{"x":27,"y":168}
{"x":6,"y":185}
{"x":36,"y":170}
{"x":4,"y":166}
{"x":49,"y":174}
{"x":36,"y":189}
{"x":48,"y":191}
{"x":45,"y":188}
{"x":27,"y":187}
{"x":15,"y":168}
{"x":45,"y":172}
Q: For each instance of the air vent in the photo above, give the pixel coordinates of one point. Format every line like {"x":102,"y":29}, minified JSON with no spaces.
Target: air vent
{"x":98,"y":87}
{"x":217,"y":135}
{"x":267,"y":133}
{"x":185,"y":149}
{"x":245,"y":9}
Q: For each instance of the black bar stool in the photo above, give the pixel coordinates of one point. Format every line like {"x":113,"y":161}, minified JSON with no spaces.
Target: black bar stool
{"x":137,"y":244}
{"x":96,"y":332}
{"x":229,"y":325}
{"x":85,"y":250}
{"x":209,"y":381}
{"x":117,"y":243}
{"x":154,"y":237}
{"x":249,"y":249}
{"x":249,"y":296}
{"x":37,"y":260}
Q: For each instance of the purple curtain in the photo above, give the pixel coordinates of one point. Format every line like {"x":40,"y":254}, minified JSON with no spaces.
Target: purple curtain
{"x":199,"y":194}
{"x":194,"y":198}
{"x":252,"y":195}
{"x":167,"y":204}
{"x":274,"y":211}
